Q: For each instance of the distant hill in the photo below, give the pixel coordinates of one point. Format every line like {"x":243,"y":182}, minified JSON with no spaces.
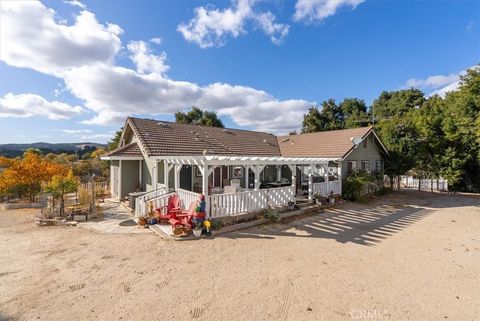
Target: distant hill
{"x":14,"y":150}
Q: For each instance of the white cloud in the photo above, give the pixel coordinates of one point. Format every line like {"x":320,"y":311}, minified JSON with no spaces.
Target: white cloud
{"x":114,"y":92}
{"x":75,"y":131}
{"x":448,"y":88}
{"x":276,"y":31}
{"x":210,"y":26}
{"x":157,"y":40}
{"x":144,"y":60}
{"x":32,"y":38}
{"x":318,"y":10}
{"x":75,"y":3}
{"x":29,"y":105}
{"x":433,"y":81}
{"x":437,"y":84}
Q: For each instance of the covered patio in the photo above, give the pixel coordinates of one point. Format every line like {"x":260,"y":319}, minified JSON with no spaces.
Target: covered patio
{"x":239,"y":184}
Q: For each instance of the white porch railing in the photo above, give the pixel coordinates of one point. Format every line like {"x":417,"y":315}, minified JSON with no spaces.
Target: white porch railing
{"x":158,"y":202}
{"x":187,"y":197}
{"x":141,"y":201}
{"x":230,"y":204}
{"x":281,"y":195}
{"x":321,"y":188}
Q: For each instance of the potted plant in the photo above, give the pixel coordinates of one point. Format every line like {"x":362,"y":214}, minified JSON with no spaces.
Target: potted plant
{"x":198,"y":229}
{"x":317,"y":198}
{"x":331,"y":198}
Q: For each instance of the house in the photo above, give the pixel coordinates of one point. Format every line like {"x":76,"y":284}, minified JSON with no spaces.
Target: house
{"x":237,"y":170}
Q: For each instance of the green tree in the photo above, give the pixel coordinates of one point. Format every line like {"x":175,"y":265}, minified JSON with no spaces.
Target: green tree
{"x":397,"y":103}
{"x":401,"y":139}
{"x":198,"y":117}
{"x":115,"y":141}
{"x":354,"y":112}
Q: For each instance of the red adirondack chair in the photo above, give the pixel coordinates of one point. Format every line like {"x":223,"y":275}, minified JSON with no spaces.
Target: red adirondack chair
{"x":184,"y":217}
{"x":171,"y":210}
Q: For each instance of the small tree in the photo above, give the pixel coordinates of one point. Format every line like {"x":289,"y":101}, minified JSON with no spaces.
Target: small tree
{"x":60,"y":185}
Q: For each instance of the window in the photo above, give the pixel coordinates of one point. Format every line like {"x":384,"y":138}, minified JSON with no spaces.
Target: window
{"x":365,"y":143}
{"x":366,"y":165}
{"x":378,"y":166}
{"x":351,"y":165}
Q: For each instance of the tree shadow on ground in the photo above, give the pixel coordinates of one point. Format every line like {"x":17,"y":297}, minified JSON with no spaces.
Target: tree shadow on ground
{"x":364,"y":224}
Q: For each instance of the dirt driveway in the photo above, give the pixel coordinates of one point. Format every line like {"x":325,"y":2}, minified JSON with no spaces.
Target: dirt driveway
{"x":407,"y":256}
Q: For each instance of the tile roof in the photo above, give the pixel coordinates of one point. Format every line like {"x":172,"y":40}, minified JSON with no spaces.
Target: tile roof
{"x":130,"y":150}
{"x":334,"y":143}
{"x":161,"y":138}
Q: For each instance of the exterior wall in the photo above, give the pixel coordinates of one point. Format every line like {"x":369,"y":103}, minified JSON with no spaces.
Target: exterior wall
{"x":371,"y":153}
{"x":129,"y":177}
{"x":147,"y":171}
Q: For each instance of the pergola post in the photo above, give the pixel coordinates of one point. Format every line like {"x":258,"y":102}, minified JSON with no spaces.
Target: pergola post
{"x":166,"y":172}
{"x":246,"y":176}
{"x":205,"y":174}
{"x":178,"y":167}
{"x":310,"y":182}
{"x":293,"y":169}
{"x":257,"y":169}
{"x":279,"y":173}
{"x":325,"y":170}
{"x":340,"y":181}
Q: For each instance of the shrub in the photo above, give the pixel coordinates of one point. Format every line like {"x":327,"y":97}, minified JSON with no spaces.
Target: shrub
{"x":358,"y":184}
{"x":270,"y":215}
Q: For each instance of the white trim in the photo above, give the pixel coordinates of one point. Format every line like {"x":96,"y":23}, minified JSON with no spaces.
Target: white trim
{"x":217,"y":160}
{"x":121,"y":158}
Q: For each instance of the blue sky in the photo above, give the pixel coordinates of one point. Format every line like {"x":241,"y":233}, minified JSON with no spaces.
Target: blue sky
{"x":259,"y":64}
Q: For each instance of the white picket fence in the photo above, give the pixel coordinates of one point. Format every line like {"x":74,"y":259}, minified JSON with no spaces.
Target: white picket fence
{"x":230,"y":204}
{"x":333,"y":186}
{"x":424,"y":184}
{"x":158,"y":202}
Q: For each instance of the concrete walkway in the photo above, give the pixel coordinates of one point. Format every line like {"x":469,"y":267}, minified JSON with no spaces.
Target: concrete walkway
{"x":114,"y":218}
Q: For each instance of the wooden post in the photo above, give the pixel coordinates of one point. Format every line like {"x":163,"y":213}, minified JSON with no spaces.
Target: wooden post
{"x":279,"y":173}
{"x":178,"y":167}
{"x":246,"y":176}
{"x":310,"y":183}
{"x":325,"y":175}
{"x":166,"y":174}
{"x":340,"y":181}
{"x":205,"y":173}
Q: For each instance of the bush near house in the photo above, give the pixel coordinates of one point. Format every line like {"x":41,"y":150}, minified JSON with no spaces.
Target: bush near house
{"x":360,"y":183}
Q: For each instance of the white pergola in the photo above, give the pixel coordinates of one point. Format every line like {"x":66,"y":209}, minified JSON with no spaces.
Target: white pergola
{"x":256,"y":164}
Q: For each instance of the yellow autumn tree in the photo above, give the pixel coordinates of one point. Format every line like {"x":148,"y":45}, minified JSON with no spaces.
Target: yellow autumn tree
{"x":60,"y":185}
{"x":25,"y":176}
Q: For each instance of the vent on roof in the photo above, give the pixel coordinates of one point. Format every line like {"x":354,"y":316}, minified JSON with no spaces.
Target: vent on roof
{"x":226,"y":131}
{"x":197,"y":136}
{"x":285,"y":140}
{"x":162,"y":124}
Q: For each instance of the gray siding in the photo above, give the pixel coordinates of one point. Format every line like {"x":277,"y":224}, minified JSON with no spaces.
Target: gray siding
{"x":130,"y":178}
{"x":371,"y":154}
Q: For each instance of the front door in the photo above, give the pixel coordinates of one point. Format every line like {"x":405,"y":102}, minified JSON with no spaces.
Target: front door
{"x":186,"y":177}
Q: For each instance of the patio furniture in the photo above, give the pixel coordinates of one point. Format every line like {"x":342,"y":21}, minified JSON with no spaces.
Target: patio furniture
{"x":230,"y":189}
{"x":184,"y":217}
{"x":171,"y":210}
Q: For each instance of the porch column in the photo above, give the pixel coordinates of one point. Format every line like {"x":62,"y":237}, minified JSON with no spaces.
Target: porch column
{"x":310,"y":183}
{"x":119,"y":180}
{"x":166,"y":172}
{"x":177,"y":176}
{"x":279,"y":173}
{"x":325,"y":170}
{"x":340,"y":180}
{"x":293,"y":169}
{"x":257,"y":169}
{"x":246,"y":176}
{"x":204,"y":169}
{"x":140,"y":174}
